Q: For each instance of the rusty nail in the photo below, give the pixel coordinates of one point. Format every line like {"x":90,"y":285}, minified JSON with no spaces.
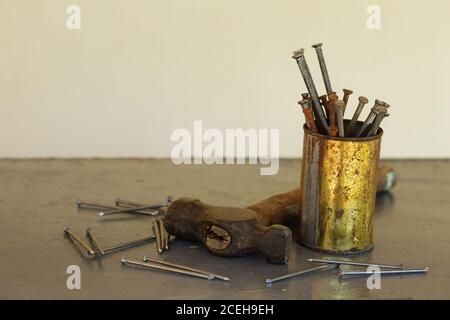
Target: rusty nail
{"x":362,"y":102}
{"x":323,"y":67}
{"x":79,"y":241}
{"x":339,"y":106}
{"x":333,"y":129}
{"x":309,"y":117}
{"x":304,"y":70}
{"x":332,"y":98}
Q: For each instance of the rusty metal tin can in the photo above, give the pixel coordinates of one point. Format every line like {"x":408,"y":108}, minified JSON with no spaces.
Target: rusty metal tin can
{"x":338,"y":184}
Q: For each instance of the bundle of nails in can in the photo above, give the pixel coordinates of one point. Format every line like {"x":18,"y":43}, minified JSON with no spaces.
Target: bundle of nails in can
{"x":325,"y":114}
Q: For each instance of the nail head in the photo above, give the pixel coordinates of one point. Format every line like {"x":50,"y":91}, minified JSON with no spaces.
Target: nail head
{"x":363,"y":100}
{"x":298,"y":53}
{"x":347,"y":91}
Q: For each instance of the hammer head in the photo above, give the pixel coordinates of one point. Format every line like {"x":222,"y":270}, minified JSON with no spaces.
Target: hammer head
{"x":227,"y":231}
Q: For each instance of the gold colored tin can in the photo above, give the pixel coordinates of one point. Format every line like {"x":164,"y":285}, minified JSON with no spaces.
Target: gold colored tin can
{"x":338,"y":187}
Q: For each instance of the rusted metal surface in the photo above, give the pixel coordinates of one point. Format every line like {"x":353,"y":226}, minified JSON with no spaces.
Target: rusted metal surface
{"x":331,"y":111}
{"x":309,"y":116}
{"x":333,"y":130}
{"x":339,"y":107}
{"x":338,"y":186}
{"x":332,"y":98}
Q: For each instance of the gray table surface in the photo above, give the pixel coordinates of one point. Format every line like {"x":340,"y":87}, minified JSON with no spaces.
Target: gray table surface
{"x":412,"y":227}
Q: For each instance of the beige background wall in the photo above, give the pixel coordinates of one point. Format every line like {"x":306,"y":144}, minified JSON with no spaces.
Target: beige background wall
{"x":137,"y":70}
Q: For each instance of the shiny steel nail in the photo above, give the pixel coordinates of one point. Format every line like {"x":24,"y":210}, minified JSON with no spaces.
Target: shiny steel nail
{"x":311,"y":270}
{"x":157,"y":206}
{"x":163,"y":233}
{"x":131,"y":209}
{"x":92,"y":205}
{"x":130,"y":244}
{"x":121,"y":202}
{"x":351,"y":263}
{"x":166,"y":268}
{"x":157,"y":233}
{"x":166,"y":235}
{"x":79,"y":241}
{"x":94,"y":241}
{"x":171,"y":264}
{"x":382,"y":272}
{"x":163,"y":236}
{"x":97,"y":206}
{"x":150,"y":212}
